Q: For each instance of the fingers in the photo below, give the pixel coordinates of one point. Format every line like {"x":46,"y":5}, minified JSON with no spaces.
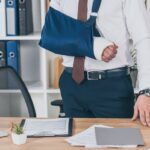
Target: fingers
{"x":105,"y":59}
{"x":136,"y":113}
{"x":142,"y":109}
{"x":143,"y":118}
{"x":148,"y":118}
{"x":109,"y":53}
{"x":113,"y":48}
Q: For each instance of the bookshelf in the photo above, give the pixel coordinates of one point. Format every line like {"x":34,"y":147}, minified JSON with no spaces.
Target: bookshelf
{"x":34,"y":36}
{"x":36,"y":67}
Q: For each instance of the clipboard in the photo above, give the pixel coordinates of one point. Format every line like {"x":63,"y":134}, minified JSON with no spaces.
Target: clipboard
{"x":69,"y":132}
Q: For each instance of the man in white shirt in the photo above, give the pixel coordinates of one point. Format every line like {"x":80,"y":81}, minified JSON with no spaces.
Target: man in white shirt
{"x":118,"y":21}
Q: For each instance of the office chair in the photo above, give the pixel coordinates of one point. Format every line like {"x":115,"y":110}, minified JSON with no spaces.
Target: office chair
{"x":10,"y":80}
{"x":59,"y":103}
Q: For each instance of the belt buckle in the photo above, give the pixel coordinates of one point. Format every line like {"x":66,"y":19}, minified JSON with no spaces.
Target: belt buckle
{"x":89,"y":78}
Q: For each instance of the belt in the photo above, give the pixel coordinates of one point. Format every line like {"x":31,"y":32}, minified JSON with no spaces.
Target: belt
{"x":98,"y":75}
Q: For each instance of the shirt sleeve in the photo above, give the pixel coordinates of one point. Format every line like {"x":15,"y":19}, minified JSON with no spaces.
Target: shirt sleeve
{"x":99,"y":45}
{"x":138,"y":25}
{"x":55,"y":4}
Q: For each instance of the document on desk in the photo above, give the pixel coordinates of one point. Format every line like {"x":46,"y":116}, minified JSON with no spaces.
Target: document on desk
{"x":119,"y":136}
{"x":3,"y":134}
{"x":87,"y":139}
{"x":47,"y":127}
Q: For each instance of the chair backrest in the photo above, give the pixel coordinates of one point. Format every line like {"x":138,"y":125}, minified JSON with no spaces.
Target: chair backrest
{"x":10,"y":80}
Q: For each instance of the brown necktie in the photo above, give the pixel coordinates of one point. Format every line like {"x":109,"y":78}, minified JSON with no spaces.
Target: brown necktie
{"x":78,"y":66}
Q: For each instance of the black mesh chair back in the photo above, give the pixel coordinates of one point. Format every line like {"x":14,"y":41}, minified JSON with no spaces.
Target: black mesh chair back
{"x":10,"y":80}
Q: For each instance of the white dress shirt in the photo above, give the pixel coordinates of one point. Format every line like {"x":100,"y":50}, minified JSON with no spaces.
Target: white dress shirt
{"x":119,"y":21}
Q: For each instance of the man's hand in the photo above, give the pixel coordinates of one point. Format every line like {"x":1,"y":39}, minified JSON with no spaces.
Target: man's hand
{"x":142,"y":110}
{"x":109,"y":53}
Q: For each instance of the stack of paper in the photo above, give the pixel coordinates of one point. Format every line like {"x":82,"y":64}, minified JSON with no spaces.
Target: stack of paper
{"x":87,"y":139}
{"x":3,"y":134}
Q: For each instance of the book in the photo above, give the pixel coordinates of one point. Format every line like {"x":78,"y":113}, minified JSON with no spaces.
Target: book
{"x":12,"y":26}
{"x":36,"y":19}
{"x":58,"y":69}
{"x":2,"y":18}
{"x":13,"y":55}
{"x":25,"y":17}
{"x":2,"y":53}
{"x":47,"y":5}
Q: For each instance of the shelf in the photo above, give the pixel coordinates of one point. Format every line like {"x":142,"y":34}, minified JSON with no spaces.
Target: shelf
{"x":53,"y":91}
{"x":34,"y":36}
{"x":32,"y":91}
{"x":9,"y":91}
{"x":40,"y":90}
{"x":57,"y":91}
{"x":33,"y":87}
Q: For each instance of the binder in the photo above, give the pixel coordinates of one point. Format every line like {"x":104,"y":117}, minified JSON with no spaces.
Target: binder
{"x":4,"y":81}
{"x":47,"y":5}
{"x":36,"y":19}
{"x":58,"y":69}
{"x":2,"y":54}
{"x":12,"y":17}
{"x":2,"y":18}
{"x":25,"y":17}
{"x":13,"y":55}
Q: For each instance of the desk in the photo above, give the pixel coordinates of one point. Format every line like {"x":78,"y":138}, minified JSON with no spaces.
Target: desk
{"x":56,"y":143}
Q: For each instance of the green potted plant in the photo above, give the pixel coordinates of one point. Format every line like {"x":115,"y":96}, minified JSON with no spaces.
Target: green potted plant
{"x":18,"y":135}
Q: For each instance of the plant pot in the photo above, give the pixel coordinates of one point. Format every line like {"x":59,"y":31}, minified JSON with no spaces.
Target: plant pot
{"x":19,"y":139}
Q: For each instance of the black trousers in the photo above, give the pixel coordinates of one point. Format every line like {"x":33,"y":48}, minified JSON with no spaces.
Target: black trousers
{"x":106,"y":98}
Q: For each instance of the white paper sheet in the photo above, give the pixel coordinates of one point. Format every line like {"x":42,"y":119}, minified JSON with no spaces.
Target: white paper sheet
{"x":87,"y":139}
{"x":3,"y":134}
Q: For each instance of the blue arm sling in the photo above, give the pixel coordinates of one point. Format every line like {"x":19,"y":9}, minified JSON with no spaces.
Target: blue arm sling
{"x":65,"y":35}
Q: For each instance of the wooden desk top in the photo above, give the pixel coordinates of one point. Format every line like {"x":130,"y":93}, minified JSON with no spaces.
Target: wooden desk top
{"x":56,"y":143}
